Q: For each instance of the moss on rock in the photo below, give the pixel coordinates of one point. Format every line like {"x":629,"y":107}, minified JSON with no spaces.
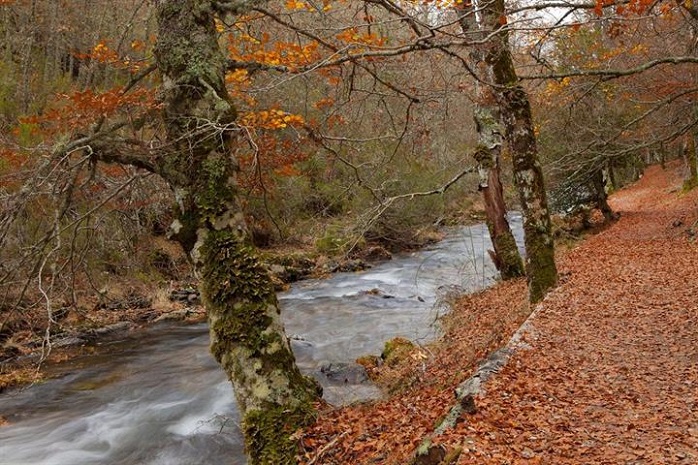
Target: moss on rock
{"x":396,"y":350}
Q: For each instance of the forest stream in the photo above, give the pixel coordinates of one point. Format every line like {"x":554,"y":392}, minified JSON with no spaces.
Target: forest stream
{"x":158,"y":397}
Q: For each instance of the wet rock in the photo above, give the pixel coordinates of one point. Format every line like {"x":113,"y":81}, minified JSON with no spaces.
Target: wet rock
{"x":348,"y":266}
{"x":188,"y":296}
{"x":290,"y":269}
{"x":70,"y":341}
{"x":374,"y":253}
{"x":377,"y":292}
{"x":343,"y":373}
{"x":178,"y":315}
{"x":108,"y":330}
{"x":449,"y":291}
{"x":131,"y":301}
{"x":325,"y":265}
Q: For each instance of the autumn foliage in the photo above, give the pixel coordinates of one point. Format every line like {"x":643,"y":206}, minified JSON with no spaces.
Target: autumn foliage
{"x":606,"y":376}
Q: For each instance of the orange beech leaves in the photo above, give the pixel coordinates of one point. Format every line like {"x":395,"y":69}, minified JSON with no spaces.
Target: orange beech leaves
{"x":79,"y":109}
{"x":271,"y":119}
{"x":611,"y":372}
{"x":389,"y":430}
{"x":243,"y":46}
{"x":103,"y":53}
{"x":353,"y":36}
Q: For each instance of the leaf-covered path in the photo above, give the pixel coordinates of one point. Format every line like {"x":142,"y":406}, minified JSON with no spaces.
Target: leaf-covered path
{"x":611,"y":374}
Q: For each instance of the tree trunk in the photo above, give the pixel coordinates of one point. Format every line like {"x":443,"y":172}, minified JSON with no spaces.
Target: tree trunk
{"x":602,"y":197}
{"x":691,"y":161}
{"x":247,"y":336}
{"x":612,"y":176}
{"x":506,"y":255}
{"x":690,"y":152}
{"x":528,"y":175}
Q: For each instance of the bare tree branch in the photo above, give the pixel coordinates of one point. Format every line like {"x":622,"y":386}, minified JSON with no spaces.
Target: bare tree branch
{"x":608,"y":74}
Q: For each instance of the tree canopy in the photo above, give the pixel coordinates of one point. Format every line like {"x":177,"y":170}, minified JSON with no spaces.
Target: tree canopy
{"x":221,"y":122}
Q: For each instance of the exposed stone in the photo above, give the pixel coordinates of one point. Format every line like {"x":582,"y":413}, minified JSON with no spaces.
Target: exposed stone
{"x":377,"y":292}
{"x":69,"y":341}
{"x":348,"y":266}
{"x":301,"y":348}
{"x":188,"y":296}
{"x":122,"y":326}
{"x":343,"y":373}
{"x":374,"y":253}
{"x":178,"y":315}
{"x":131,"y":301}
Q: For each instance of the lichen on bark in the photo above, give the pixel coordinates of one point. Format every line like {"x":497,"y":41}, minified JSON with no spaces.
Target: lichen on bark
{"x":247,"y":335}
{"x":488,"y":152}
{"x":518,"y":123}
{"x":247,"y":338}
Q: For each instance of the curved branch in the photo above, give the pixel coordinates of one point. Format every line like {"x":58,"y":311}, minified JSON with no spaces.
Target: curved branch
{"x":608,"y":74}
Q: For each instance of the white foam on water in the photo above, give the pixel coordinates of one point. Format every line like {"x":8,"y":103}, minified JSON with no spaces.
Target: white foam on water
{"x":203,"y":421}
{"x":171,"y":403}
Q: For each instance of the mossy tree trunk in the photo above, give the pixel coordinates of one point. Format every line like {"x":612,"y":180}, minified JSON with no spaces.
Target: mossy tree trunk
{"x":506,"y":255}
{"x":690,"y":147}
{"x":247,"y":335}
{"x":518,"y":123}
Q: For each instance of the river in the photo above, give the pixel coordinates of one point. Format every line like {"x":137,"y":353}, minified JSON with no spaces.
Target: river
{"x":158,"y":397}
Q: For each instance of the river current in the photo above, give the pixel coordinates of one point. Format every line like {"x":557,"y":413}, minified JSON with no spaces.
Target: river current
{"x":158,"y":397}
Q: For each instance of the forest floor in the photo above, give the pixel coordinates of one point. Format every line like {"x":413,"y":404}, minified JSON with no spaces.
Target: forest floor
{"x":609,"y":374}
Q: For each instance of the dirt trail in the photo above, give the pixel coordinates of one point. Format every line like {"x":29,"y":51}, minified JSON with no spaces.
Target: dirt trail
{"x":611,"y":376}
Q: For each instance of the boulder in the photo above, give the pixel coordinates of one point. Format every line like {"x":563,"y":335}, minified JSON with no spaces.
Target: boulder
{"x":343,"y":373}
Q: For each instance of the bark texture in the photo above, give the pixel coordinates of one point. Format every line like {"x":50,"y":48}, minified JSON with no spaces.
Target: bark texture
{"x":247,"y":336}
{"x":506,"y":255}
{"x":518,"y":123}
{"x":691,"y":160}
{"x":602,"y":197}
{"x":692,"y":49}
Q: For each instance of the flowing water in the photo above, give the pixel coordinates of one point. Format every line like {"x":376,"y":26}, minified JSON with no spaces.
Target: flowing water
{"x":158,"y":397}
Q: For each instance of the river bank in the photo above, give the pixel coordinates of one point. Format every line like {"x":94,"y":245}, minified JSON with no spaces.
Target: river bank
{"x":167,"y":382}
{"x":129,"y":305}
{"x":332,"y":322}
{"x":609,"y":373}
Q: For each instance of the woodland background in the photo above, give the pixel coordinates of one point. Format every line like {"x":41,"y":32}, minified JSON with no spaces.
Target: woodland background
{"x":355,"y":128}
{"x":330,"y":131}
